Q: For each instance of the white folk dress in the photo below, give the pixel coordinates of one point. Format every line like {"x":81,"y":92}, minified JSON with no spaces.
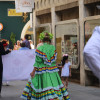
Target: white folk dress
{"x":92,"y":52}
{"x":65,"y":70}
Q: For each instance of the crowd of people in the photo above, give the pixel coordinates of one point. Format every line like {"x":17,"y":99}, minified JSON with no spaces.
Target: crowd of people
{"x":24,"y":44}
{"x":3,"y":51}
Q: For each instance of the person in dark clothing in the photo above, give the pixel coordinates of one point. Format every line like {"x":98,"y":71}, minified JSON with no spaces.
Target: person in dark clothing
{"x":3,"y":44}
{"x":27,"y":43}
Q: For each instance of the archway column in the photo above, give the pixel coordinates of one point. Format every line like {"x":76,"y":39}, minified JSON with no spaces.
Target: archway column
{"x":34,"y":27}
{"x":81,"y":22}
{"x":25,"y":29}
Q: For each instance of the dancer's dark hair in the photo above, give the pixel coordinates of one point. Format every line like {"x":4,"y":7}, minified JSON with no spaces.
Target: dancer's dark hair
{"x":64,"y":60}
{"x":47,"y":38}
{"x":26,"y":36}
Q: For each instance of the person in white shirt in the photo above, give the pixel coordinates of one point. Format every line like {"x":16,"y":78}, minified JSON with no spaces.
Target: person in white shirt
{"x":66,"y":70}
{"x":31,"y":44}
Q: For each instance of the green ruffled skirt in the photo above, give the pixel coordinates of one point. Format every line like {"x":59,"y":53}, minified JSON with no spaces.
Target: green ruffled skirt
{"x":45,"y":86}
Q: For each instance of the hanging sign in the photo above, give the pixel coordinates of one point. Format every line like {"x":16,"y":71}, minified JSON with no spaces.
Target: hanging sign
{"x":24,"y":5}
{"x":1,"y":26}
{"x":12,"y":12}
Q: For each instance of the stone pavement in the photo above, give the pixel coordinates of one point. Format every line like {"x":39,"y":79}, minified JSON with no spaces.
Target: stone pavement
{"x":76,"y":91}
{"x":14,"y":91}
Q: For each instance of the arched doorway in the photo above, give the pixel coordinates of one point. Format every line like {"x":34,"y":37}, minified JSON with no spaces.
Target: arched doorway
{"x":27,"y":30}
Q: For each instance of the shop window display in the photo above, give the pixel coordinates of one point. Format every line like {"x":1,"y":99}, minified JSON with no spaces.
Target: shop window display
{"x":89,"y":27}
{"x":71,"y":48}
{"x":67,"y":43}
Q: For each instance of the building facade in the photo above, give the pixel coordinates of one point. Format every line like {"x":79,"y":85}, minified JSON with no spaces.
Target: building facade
{"x":72,"y":23}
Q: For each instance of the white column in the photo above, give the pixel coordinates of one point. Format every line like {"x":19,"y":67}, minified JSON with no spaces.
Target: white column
{"x":31,"y":20}
{"x":53,"y":24}
{"x":81,"y":22}
{"x":34,"y":26}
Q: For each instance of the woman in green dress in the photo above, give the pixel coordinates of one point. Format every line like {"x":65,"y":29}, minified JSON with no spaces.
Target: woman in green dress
{"x":45,"y":83}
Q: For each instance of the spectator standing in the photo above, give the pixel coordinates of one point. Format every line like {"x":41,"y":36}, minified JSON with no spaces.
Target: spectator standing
{"x":31,"y":44}
{"x":66,"y":70}
{"x":3,"y":44}
{"x":16,"y":47}
{"x":23,"y":47}
{"x":27,"y":43}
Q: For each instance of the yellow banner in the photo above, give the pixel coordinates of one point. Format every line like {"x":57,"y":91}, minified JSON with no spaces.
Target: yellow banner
{"x":12,"y":12}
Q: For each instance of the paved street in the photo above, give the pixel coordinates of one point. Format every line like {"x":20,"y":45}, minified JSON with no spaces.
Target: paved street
{"x":13,"y":91}
{"x":76,"y":91}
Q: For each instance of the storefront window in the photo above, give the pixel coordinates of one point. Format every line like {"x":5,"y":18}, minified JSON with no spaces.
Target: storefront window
{"x":67,"y":42}
{"x":70,"y":42}
{"x":89,"y":27}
